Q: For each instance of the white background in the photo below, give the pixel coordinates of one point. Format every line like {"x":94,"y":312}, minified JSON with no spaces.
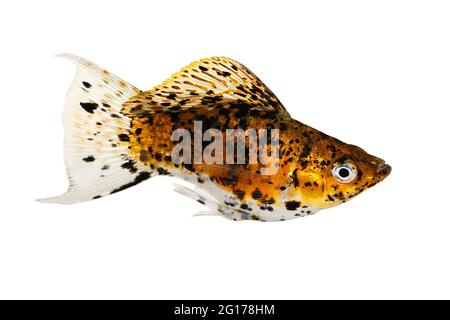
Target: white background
{"x":371,"y":73}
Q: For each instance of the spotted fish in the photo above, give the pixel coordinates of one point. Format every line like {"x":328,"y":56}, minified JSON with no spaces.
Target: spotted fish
{"x":117,"y":136}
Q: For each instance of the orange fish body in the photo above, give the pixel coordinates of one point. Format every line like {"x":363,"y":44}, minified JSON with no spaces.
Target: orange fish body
{"x":117,"y":136}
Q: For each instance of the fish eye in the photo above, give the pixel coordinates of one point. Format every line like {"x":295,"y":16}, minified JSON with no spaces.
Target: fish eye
{"x":344,"y":172}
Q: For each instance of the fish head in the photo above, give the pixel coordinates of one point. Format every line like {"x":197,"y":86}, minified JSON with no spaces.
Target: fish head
{"x":335,"y":172}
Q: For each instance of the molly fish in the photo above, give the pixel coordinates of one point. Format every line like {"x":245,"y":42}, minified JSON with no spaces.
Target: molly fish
{"x":117,"y":136}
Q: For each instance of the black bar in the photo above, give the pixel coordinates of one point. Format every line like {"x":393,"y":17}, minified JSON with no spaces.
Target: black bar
{"x":218,"y":309}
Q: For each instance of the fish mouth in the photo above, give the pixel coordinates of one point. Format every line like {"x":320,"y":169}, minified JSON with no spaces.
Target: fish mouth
{"x":383,"y":170}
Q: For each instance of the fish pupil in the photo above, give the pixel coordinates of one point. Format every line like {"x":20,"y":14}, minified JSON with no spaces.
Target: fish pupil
{"x":344,"y":172}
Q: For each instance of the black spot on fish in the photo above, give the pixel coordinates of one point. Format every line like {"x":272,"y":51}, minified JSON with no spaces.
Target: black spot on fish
{"x":228,"y":181}
{"x":129,"y":165}
{"x":256,"y":194}
{"x":189,"y":167}
{"x":239,"y":194}
{"x":163,"y":171}
{"x":158,"y":156}
{"x":89,"y":159}
{"x":304,"y":164}
{"x":244,"y":206}
{"x":292,"y":205}
{"x":89,"y":106}
{"x":124,"y":137}
{"x":183,"y":102}
{"x":306,"y":148}
{"x":87,"y":84}
{"x":139,"y":178}
{"x":294,"y":178}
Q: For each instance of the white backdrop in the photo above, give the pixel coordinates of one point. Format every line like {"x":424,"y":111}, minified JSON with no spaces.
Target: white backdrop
{"x":371,"y":73}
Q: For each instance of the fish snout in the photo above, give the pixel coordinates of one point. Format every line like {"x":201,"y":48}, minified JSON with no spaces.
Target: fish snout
{"x":383,"y":169}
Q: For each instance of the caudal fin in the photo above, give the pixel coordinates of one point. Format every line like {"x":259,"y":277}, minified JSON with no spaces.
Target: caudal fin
{"x":96,"y":135}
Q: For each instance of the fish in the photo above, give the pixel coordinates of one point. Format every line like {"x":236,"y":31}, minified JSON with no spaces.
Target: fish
{"x":117,"y":136}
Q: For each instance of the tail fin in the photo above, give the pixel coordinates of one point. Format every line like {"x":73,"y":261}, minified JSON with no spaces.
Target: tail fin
{"x":96,"y":135}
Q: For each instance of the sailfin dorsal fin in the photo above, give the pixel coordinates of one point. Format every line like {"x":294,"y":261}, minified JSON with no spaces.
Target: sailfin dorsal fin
{"x":205,"y":82}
